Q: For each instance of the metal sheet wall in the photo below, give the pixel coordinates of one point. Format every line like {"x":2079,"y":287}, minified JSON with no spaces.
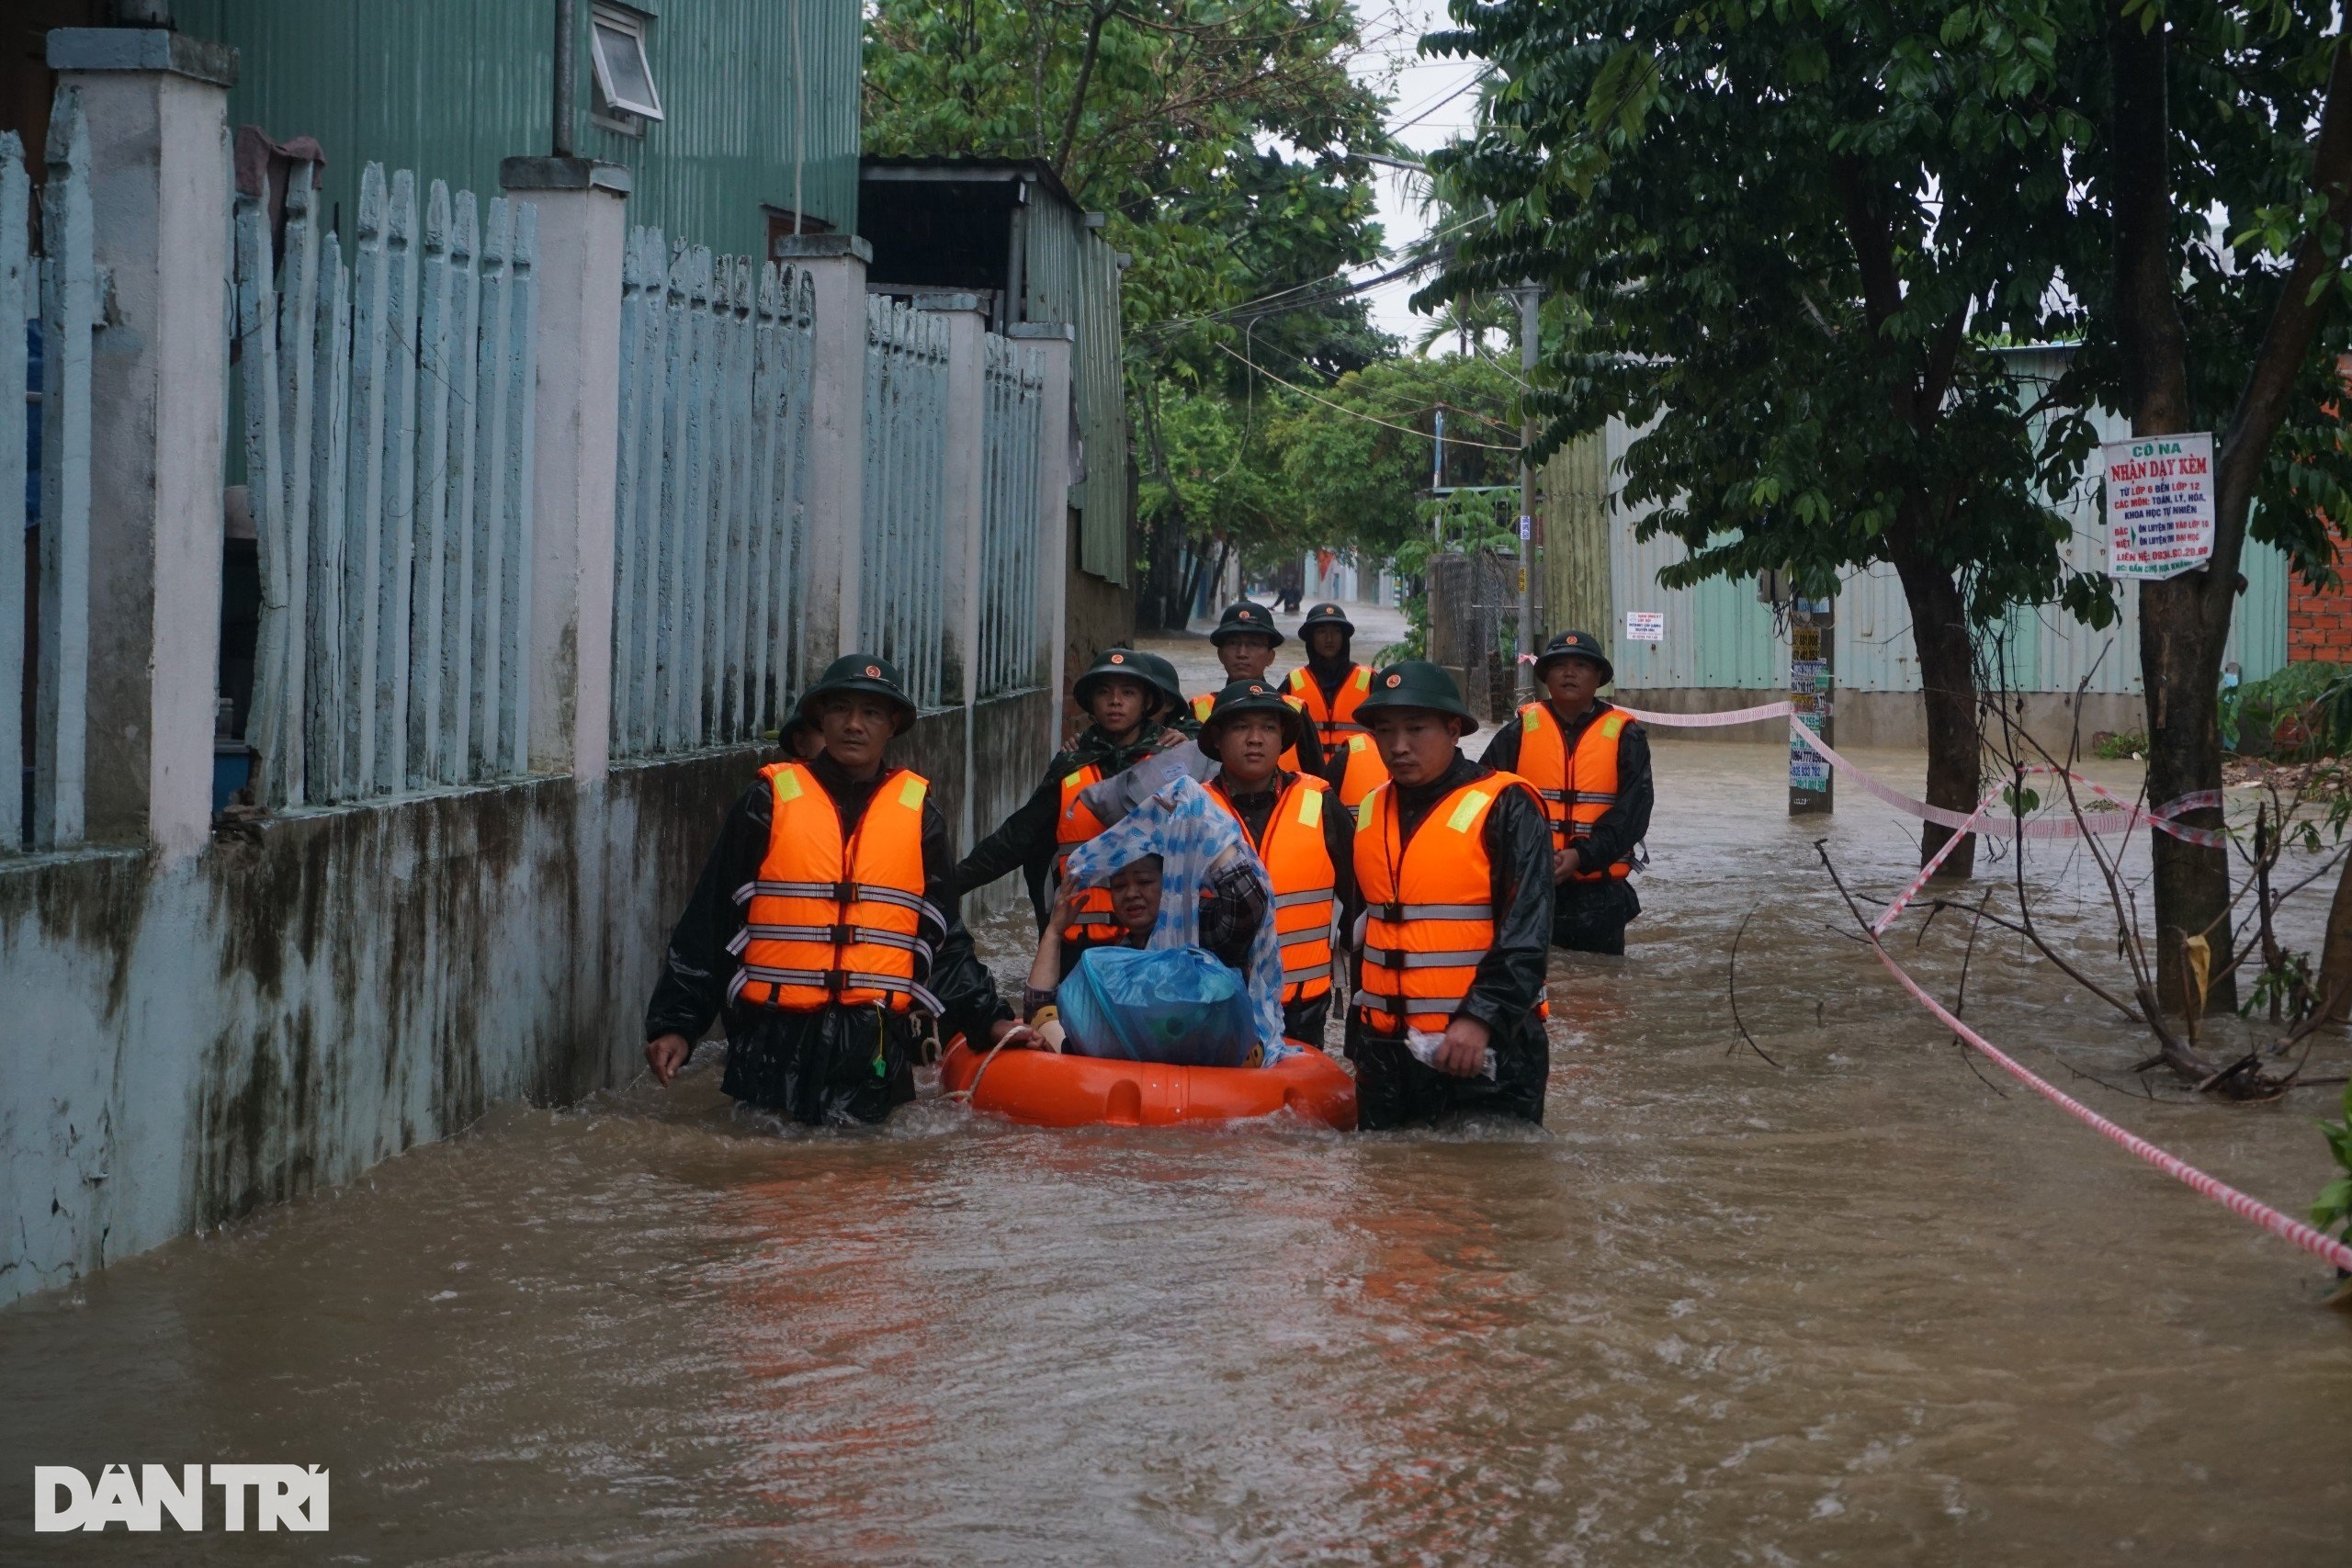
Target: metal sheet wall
{"x":449,"y":88}
{"x":1717,"y":635}
{"x":1572,"y":501}
{"x":1071,"y":274}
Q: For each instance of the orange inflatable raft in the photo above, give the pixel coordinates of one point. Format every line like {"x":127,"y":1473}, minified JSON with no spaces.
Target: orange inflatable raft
{"x":1050,"y":1090}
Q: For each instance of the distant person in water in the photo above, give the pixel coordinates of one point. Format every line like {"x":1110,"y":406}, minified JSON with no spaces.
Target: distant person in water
{"x":824,"y":921}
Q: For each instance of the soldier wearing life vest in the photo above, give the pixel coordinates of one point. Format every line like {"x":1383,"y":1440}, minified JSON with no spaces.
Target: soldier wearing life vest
{"x":1301,"y":833}
{"x":1591,"y":762}
{"x":1454,"y":873}
{"x":1330,"y":686}
{"x":1130,"y":697}
{"x":825,"y":922}
{"x":1245,"y":640}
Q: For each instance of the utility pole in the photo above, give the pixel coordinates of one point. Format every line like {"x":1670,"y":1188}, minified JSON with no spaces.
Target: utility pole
{"x":1530,"y":297}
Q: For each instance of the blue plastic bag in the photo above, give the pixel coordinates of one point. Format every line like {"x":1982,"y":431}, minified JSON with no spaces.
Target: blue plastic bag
{"x":1176,"y":1004}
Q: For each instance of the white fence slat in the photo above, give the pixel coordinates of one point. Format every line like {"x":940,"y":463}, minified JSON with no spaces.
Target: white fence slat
{"x":714,"y":365}
{"x":17,"y":301}
{"x":69,"y":306}
{"x":297,"y":372}
{"x":432,"y":492}
{"x":626,"y":575}
{"x":455,"y":719}
{"x":325,"y":770}
{"x":267,"y":733}
{"x":520,"y":463}
{"x":364,"y":493}
{"x":490,"y":535}
{"x":396,"y":532}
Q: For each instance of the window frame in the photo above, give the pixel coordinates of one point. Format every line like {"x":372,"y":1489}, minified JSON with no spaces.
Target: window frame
{"x":631,"y":26}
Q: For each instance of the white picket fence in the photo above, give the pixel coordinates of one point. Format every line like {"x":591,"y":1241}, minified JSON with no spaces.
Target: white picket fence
{"x":388,"y":424}
{"x":716,"y":368}
{"x":1012,"y":640}
{"x":59,"y":288}
{"x":903,"y":589}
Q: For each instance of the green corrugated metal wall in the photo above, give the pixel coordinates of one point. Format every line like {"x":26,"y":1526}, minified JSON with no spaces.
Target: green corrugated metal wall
{"x":1572,"y":500}
{"x":449,"y":88}
{"x":1070,"y":274}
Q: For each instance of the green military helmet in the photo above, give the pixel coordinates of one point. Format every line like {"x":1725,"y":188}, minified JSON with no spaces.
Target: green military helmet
{"x":1164,"y":677}
{"x":1252,"y":696}
{"x":1576,"y":645}
{"x":1246,"y":617}
{"x":1417,"y":683}
{"x":1148,"y":670}
{"x":866,"y":672}
{"x":1327,"y":614}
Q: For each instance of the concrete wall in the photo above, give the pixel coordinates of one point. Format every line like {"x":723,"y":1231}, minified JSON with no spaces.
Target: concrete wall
{"x":281,"y":1010}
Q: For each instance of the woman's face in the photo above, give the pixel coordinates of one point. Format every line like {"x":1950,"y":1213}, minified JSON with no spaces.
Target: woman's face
{"x":1135,"y":895}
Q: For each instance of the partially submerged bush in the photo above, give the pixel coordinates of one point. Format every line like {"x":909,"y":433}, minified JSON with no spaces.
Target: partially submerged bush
{"x":2300,"y":712}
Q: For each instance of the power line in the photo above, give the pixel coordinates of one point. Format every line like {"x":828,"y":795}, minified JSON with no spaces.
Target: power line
{"x":1354,"y":413}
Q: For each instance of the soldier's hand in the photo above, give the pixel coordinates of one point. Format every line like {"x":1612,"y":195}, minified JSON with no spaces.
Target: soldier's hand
{"x":665,"y":1054}
{"x":1463,"y":1052}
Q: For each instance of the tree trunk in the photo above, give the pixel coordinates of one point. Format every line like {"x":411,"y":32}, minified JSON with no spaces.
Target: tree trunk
{"x":2335,"y":953}
{"x":1948,"y":678}
{"x":2180,"y":666}
{"x":2180,"y":648}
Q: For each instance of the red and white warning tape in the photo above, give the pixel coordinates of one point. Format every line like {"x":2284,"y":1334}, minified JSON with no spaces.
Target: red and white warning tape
{"x":2126,"y":817}
{"x":2317,"y":1242}
{"x":1979,"y":822}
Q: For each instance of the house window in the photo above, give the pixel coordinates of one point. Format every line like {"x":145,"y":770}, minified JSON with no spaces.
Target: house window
{"x":625,"y":96}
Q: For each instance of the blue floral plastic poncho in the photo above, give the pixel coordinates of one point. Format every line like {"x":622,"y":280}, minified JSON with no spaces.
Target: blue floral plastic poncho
{"x":1192,"y":838}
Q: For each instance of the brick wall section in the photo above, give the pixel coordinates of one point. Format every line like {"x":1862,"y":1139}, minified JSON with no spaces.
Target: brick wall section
{"x":2319,"y":624}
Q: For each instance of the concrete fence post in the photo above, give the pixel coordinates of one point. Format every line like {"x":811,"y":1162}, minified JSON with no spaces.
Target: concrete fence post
{"x":584,"y":231}
{"x":1058,"y":342}
{"x":834,"y":498}
{"x":963,"y":510}
{"x":156,"y":103}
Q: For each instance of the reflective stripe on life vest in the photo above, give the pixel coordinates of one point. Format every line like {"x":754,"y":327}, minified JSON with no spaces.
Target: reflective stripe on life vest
{"x":1305,"y":883}
{"x":1577,"y":790}
{"x":1334,"y":721}
{"x":1360,"y":770}
{"x":833,"y":924}
{"x":1428,"y":911}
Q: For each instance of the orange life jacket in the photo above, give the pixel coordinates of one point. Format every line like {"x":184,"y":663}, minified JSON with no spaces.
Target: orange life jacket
{"x":1334,"y":721}
{"x":1298,"y":863}
{"x":1288,"y":761}
{"x":1075,"y":825}
{"x":1429,"y":909}
{"x":1359,"y":768}
{"x":1576,"y":789}
{"x":835,"y":924}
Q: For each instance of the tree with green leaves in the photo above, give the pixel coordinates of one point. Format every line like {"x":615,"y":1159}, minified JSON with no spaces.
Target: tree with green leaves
{"x":1223,"y":140}
{"x":1798,"y":234}
{"x":2221,"y":177}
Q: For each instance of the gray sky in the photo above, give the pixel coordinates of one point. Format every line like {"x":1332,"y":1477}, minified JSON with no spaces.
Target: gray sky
{"x":1435,"y":95}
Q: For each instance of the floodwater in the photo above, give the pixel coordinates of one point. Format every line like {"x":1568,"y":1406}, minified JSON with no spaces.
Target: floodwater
{"x":1863,"y":1307}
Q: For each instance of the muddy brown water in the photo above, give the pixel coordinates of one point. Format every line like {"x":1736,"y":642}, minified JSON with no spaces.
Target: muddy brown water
{"x":1861,"y":1308}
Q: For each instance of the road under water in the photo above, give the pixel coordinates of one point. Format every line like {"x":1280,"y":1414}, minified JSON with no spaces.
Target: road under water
{"x":1862,"y":1307}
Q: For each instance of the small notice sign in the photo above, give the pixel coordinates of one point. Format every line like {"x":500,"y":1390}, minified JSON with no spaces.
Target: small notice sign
{"x":2159,"y":505}
{"x":1644,"y":625}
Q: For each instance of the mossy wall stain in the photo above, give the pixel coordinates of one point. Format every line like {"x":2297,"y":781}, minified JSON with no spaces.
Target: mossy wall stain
{"x":285,"y":1012}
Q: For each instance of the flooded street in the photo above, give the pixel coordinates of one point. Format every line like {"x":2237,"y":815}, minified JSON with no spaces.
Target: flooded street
{"x":1865,"y":1307}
